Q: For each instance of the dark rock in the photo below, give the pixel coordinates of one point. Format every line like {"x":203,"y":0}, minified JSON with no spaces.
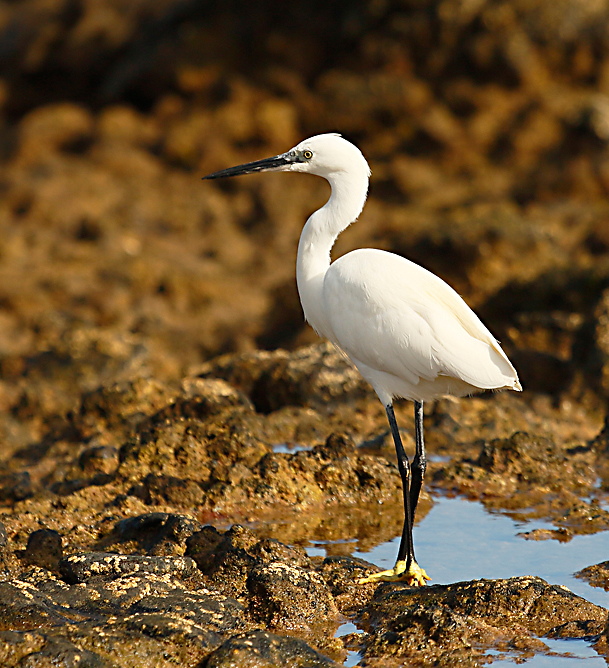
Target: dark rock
{"x":154,"y":531}
{"x":532,"y":475}
{"x":166,"y":627}
{"x":579,"y":628}
{"x":15,"y":486}
{"x":464,"y":618}
{"x":108,"y":566}
{"x":161,"y":489}
{"x":24,"y":607}
{"x":60,"y":652}
{"x":98,"y":598}
{"x":261,"y":649}
{"x":561,"y":535}
{"x":111,"y":613}
{"x":600,"y":355}
{"x":44,"y":549}
{"x":72,"y":485}
{"x":227,"y":562}
{"x":286,"y":596}
{"x":342,"y":575}
{"x":219,"y":613}
{"x":15,"y":645}
{"x":269,"y":549}
{"x":201,"y":543}
{"x":143,"y":594}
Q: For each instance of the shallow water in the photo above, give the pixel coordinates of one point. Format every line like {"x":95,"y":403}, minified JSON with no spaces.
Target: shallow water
{"x":459,"y":540}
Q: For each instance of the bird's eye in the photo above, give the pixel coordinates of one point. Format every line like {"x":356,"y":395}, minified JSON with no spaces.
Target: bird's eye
{"x":307,"y":154}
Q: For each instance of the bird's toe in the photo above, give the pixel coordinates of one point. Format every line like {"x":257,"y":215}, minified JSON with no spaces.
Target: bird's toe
{"x":413,"y":575}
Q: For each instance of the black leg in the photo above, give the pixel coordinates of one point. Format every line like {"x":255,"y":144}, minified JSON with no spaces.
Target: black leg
{"x":419,"y":463}
{"x":406,"y":568}
{"x":406,"y":551}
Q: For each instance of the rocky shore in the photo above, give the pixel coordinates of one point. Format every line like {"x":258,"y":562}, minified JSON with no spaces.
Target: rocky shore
{"x":158,"y":524}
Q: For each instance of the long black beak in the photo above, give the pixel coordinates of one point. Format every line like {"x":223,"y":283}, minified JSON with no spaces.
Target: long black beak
{"x":266,"y":165}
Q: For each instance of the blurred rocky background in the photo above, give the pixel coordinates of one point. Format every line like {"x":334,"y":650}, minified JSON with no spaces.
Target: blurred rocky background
{"x":142,"y":392}
{"x":485,"y":122}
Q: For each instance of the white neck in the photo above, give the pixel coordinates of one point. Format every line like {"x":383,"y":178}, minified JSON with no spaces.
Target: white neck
{"x":318,"y":236}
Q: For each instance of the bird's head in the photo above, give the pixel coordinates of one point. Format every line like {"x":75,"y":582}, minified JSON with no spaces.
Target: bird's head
{"x":324,"y":155}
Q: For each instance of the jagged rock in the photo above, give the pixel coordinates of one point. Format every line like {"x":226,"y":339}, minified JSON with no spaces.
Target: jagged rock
{"x":286,"y":596}
{"x":83,"y":567}
{"x":462,"y":619}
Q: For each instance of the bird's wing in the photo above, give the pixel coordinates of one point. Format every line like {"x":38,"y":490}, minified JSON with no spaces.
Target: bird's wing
{"x":397,"y":317}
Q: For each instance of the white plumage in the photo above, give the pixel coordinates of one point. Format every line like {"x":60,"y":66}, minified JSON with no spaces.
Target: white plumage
{"x":409,"y":333}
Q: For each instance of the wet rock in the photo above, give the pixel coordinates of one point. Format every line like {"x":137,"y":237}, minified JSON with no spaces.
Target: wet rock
{"x":24,"y":607}
{"x":601,"y":442}
{"x":465,"y":618}
{"x":596,"y":575}
{"x":533,"y":476}
{"x":269,"y":549}
{"x":60,"y":652}
{"x":561,"y":535}
{"x":15,"y":645}
{"x":113,"y":607}
{"x":282,"y":588}
{"x":207,"y":610}
{"x":120,"y":271}
{"x":286,"y":596}
{"x":266,"y":650}
{"x":225,"y":559}
{"x":342,"y":575}
{"x":44,"y":549}
{"x":83,"y":567}
{"x":156,"y":532}
{"x":602,"y":644}
{"x":517,"y":455}
{"x":575,"y":629}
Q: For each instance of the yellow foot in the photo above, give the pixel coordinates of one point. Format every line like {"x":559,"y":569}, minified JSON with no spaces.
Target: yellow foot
{"x":415,"y":576}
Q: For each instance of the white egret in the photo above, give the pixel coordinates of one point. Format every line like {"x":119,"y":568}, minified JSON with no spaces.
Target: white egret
{"x":408,"y":333}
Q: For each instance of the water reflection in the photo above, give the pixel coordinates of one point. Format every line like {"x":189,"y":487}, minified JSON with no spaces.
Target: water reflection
{"x":459,"y":540}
